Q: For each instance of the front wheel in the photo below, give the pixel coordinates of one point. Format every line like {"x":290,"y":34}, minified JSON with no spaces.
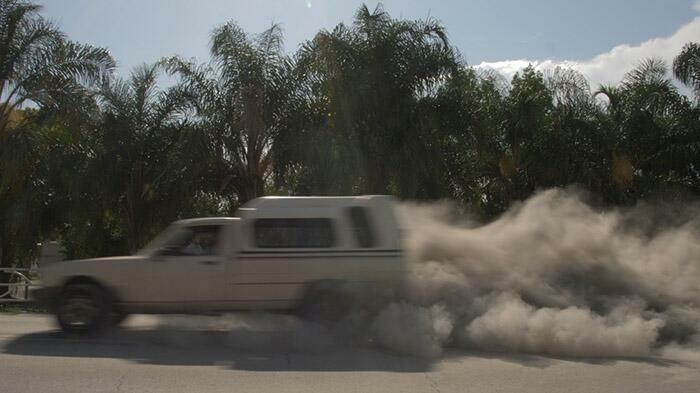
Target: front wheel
{"x":83,"y":309}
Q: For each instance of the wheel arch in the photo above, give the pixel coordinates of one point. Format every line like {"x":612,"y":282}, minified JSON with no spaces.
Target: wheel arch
{"x":89,"y":280}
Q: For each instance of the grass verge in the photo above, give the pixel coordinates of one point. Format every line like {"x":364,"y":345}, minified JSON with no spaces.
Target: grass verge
{"x":21,"y":308}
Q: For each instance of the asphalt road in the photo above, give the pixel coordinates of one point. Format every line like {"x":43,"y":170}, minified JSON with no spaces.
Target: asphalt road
{"x":180,"y":356}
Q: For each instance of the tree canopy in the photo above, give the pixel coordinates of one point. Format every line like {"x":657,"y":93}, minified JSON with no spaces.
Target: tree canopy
{"x":380,"y":105}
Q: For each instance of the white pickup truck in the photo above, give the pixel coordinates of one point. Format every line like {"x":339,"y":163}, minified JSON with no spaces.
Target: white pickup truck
{"x":277,"y":253}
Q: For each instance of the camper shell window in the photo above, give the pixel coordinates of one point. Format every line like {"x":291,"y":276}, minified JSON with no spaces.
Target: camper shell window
{"x":294,"y":233}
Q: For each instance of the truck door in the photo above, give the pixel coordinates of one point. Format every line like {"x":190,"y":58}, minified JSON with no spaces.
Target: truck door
{"x":189,"y":269}
{"x":280,"y":257}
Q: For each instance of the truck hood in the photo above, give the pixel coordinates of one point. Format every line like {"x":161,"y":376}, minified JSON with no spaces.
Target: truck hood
{"x":54,"y":273}
{"x":76,"y":263}
{"x":108,"y":259}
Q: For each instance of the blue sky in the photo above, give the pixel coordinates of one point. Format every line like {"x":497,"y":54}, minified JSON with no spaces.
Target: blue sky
{"x":485,"y":31}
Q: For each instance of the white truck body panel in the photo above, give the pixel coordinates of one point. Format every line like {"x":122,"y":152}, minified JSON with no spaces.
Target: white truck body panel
{"x":241,"y":273}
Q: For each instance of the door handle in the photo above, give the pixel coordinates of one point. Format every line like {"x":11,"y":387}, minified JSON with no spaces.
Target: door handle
{"x":209,"y":262}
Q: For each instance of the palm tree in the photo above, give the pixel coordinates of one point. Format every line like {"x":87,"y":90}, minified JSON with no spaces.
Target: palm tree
{"x":686,"y":67}
{"x":376,"y":82}
{"x":239,"y":99}
{"x":140,"y":163}
{"x":21,"y":190}
{"x":37,"y":65}
{"x":644,"y":131}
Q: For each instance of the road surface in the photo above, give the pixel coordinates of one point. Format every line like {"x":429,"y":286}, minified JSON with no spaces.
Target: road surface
{"x":179,"y":356}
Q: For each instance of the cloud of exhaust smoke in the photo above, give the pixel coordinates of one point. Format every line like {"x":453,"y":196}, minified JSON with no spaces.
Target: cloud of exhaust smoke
{"x":552,"y":276}
{"x":413,"y":330}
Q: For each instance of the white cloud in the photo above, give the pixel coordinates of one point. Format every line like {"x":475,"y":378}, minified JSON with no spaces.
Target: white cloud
{"x":609,"y":67}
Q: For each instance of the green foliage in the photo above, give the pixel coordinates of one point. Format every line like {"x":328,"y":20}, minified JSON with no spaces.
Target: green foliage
{"x":368,"y":125}
{"x":141,"y":166}
{"x":238,"y":100}
{"x":382,"y":105}
{"x":21,"y":189}
{"x":686,"y":67}
{"x":37,"y":65}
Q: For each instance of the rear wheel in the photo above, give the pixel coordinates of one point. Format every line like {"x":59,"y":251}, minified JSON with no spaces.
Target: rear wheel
{"x":83,"y":309}
{"x":325,"y":305}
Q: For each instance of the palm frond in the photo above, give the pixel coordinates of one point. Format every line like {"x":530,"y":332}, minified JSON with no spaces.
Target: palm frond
{"x":143,"y":85}
{"x":649,"y":71}
{"x":197,"y":81}
{"x":85,"y":63}
{"x":686,"y":66}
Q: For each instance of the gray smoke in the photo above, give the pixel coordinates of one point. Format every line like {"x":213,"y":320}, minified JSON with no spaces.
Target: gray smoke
{"x":413,"y":330}
{"x":250,"y":332}
{"x":552,"y":276}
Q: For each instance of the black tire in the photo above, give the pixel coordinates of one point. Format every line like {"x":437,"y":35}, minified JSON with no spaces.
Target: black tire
{"x":325,"y":305}
{"x":83,"y":309}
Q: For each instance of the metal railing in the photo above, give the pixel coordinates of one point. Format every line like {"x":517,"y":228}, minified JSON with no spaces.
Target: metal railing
{"x":17,"y":287}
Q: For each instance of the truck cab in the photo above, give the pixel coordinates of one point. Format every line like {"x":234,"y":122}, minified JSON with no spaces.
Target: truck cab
{"x":277,"y":253}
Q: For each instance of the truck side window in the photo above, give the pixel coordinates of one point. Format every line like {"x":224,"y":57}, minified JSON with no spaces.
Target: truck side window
{"x":198,"y":240}
{"x":293,"y":233}
{"x":361,"y":226}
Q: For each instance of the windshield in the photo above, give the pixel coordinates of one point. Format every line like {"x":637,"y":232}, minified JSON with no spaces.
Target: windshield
{"x":159,"y":241}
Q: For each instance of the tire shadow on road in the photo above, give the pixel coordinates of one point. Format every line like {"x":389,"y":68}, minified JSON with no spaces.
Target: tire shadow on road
{"x":245,"y":350}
